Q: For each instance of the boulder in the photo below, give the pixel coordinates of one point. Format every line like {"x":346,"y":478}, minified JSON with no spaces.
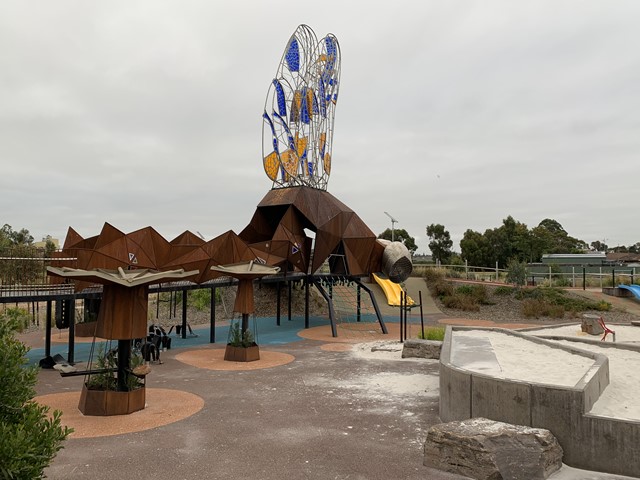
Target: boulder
{"x":591,"y":325}
{"x":415,"y":348}
{"x":485,"y":449}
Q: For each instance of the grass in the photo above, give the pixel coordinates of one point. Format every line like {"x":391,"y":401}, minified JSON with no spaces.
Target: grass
{"x":433,"y":333}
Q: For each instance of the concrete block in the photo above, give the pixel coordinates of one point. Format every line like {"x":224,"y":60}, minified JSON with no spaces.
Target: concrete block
{"x":416,"y":348}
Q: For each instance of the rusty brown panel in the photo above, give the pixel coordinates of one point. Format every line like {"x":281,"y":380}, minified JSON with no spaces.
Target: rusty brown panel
{"x":72,"y":239}
{"x":123,"y":313}
{"x":154,"y":246}
{"x":107,"y":235}
{"x":356,"y":228}
{"x":187,"y":238}
{"x":358,"y":251}
{"x":244,"y":297}
{"x":326,"y":243}
{"x":280,"y":196}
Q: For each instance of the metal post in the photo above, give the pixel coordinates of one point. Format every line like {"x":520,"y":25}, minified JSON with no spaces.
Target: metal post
{"x":421,"y":315}
{"x":278,"y":288}
{"x":466,"y":269}
{"x":306,"y":302}
{"x":359,"y":304}
{"x":601,"y":277}
{"x":212,"y":329}
{"x":47,"y":335}
{"x":72,"y":331}
{"x":289,"y":286}
{"x":401,"y":338}
{"x":406,"y":311}
{"x":573,"y":277}
{"x":184,"y":313}
{"x":158,"y":303}
{"x":124,"y":354}
{"x":584,"y":278}
{"x":613,"y":277}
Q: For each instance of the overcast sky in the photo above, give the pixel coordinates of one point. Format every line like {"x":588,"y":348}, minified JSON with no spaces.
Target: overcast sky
{"x":455,"y":112}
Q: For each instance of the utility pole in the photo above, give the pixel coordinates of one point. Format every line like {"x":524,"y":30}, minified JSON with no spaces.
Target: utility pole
{"x":393,"y":222}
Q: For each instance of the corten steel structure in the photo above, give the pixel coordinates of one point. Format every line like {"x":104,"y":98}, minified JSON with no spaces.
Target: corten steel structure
{"x":122,"y":317}
{"x":297,"y":144}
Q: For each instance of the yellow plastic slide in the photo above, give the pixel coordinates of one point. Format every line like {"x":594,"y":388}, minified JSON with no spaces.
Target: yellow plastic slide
{"x":391,"y":291}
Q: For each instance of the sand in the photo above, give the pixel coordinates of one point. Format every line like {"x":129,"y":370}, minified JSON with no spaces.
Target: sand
{"x":528,"y":361}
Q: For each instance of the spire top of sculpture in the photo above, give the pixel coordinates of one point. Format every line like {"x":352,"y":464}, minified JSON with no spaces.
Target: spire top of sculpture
{"x":297,"y":131}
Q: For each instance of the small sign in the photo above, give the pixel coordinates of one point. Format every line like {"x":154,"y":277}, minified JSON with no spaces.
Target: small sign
{"x":133,"y":259}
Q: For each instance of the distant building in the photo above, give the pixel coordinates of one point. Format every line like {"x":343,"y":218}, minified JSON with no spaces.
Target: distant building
{"x":623,"y":259}
{"x":43,"y":243}
{"x":593,"y":258}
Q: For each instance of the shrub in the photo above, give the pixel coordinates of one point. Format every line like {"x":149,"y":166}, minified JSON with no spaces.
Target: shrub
{"x":31,"y":437}
{"x":533,"y":307}
{"x":478,"y":292}
{"x":461,"y":302}
{"x":602,"y":306}
{"x":17,"y":316}
{"x":516,"y":272}
{"x":503,"y":290}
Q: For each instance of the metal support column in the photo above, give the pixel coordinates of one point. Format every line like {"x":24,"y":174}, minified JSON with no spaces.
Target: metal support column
{"x":72,"y":331}
{"x":184,"y":313}
{"x":212,"y":328}
{"x":278,"y":291}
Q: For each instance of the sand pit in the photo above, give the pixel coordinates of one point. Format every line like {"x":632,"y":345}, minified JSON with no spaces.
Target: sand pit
{"x":520,"y":359}
{"x":531,"y":362}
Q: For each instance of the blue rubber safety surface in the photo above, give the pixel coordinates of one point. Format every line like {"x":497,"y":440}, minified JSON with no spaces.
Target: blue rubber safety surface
{"x":268,"y":333}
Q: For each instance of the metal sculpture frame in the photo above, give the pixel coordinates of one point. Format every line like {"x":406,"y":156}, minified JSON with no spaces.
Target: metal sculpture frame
{"x":298,"y":118}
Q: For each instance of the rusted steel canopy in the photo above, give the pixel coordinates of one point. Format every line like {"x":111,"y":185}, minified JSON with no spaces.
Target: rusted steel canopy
{"x":246,"y":272}
{"x":123,"y":310}
{"x":282,"y":216}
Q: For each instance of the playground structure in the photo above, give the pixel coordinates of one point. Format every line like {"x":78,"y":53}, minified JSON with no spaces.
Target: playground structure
{"x":298,"y":121}
{"x":634,"y":289}
{"x":392,"y":291}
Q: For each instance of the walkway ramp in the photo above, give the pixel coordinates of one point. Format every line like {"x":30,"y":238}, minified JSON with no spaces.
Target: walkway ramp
{"x":391,"y":290}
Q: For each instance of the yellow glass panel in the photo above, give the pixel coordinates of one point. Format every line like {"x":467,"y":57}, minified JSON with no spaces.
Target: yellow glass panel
{"x":301,"y":144}
{"x":310,"y":102}
{"x":323,"y":139}
{"x":327,"y":163}
{"x":289,"y":160}
{"x":271,"y":165}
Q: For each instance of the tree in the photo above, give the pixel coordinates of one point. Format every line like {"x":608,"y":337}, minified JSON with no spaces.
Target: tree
{"x":599,"y":246}
{"x":475,"y":249}
{"x":440,"y":242}
{"x":400,"y":235}
{"x":30,"y":438}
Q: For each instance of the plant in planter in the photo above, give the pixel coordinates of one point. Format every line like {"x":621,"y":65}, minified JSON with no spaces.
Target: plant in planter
{"x":108,"y":390}
{"x":241,"y":346}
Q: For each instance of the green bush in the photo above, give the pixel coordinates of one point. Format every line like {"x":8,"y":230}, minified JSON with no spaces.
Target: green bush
{"x":30,"y":436}
{"x":479,"y":293}
{"x":503,"y":290}
{"x":18,"y":316}
{"x":461,"y":302}
{"x":433,"y":333}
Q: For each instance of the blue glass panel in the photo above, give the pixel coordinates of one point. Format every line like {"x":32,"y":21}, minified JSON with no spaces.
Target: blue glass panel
{"x":293,"y":56}
{"x":273,"y":131}
{"x":282,"y":106}
{"x":286,"y":128}
{"x":331,"y":46}
{"x":322,"y":95}
{"x":310,"y":164}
